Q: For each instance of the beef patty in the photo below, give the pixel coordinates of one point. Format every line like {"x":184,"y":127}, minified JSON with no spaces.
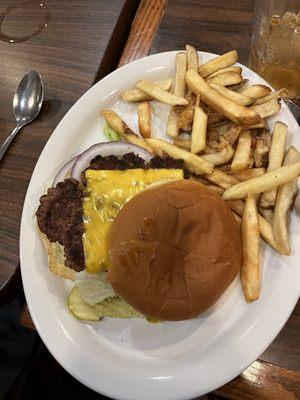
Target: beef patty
{"x":60,"y":213}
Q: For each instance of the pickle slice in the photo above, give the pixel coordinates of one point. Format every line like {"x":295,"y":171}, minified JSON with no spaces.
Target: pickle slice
{"x":112,"y":307}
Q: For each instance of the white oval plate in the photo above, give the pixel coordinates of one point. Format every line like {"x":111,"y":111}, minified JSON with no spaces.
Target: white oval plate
{"x":133,"y":359}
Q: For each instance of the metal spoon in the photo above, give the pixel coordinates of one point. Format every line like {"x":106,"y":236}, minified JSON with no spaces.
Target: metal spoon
{"x":27,"y":104}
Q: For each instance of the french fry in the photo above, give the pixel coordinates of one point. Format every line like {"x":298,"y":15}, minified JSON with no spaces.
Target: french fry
{"x":284,"y":200}
{"x":123,"y":130}
{"x":179,"y":90}
{"x":242,"y":153}
{"x":276,"y":155}
{"x":220,"y":157}
{"x":206,"y":183}
{"x":256,"y":91}
{"x":198,"y":137}
{"x":135,"y":95}
{"x":192,"y":57}
{"x":266,"y":231}
{"x":160,"y":94}
{"x":144,"y":118}
{"x":114,"y":121}
{"x":267,"y":213}
{"x":221,"y":179}
{"x":278,"y":94}
{"x":237,"y":70}
{"x":261,"y":124}
{"x":268,"y":108}
{"x":226,"y":79}
{"x":223,"y":61}
{"x":265,"y":226}
{"x":249,"y":174}
{"x":263,"y":183}
{"x":180,"y":70}
{"x":236,"y":113}
{"x":234,"y":96}
{"x":239,"y":86}
{"x":172,"y":124}
{"x":194,"y":163}
{"x":183,"y":144}
{"x":250,"y":271}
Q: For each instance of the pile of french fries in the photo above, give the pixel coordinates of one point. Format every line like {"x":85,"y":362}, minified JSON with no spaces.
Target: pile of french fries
{"x":218,"y":125}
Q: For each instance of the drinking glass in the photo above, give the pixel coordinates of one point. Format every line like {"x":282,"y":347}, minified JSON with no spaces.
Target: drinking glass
{"x":275,"y":50}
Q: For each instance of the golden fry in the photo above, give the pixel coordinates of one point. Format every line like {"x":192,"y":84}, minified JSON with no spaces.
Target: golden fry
{"x":159,"y":94}
{"x":172,"y":124}
{"x":250,"y":271}
{"x":220,"y":157}
{"x":123,"y":130}
{"x":135,"y":95}
{"x":183,"y":144}
{"x":221,"y":179}
{"x":263,"y":183}
{"x":278,"y":94}
{"x":203,"y":181}
{"x":239,"y":86}
{"x":284,"y":200}
{"x":223,"y":61}
{"x":144,"y":118}
{"x":236,"y":113}
{"x":266,"y":229}
{"x":192,"y":57}
{"x":249,"y":174}
{"x":267,"y":109}
{"x":234,"y":96}
{"x":114,"y":121}
{"x":242,"y":153}
{"x":237,"y":70}
{"x":226,"y":79}
{"x":261,"y":124}
{"x":256,"y":91}
{"x":194,"y":163}
{"x":276,"y":155}
{"x":266,"y":213}
{"x":180,"y":70}
{"x":198,"y":137}
{"x":179,"y":90}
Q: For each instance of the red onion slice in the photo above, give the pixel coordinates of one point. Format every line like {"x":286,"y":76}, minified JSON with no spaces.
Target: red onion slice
{"x":106,"y":149}
{"x":62,"y":173}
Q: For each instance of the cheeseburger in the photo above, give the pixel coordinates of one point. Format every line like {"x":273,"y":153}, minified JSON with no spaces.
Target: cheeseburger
{"x":138,"y":238}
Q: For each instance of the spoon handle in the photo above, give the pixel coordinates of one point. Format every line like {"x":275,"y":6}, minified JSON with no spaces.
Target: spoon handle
{"x":8,"y":141}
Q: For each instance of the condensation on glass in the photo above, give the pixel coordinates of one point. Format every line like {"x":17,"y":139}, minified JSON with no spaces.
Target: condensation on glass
{"x":275,"y":50}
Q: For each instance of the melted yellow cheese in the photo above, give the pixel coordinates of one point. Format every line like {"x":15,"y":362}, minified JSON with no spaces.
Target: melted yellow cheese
{"x":106,"y":193}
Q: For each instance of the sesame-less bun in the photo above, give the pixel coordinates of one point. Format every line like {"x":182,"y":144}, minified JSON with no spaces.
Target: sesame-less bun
{"x":174,"y":250}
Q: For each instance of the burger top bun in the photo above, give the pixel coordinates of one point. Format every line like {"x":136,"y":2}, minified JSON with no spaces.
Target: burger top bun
{"x":174,"y":250}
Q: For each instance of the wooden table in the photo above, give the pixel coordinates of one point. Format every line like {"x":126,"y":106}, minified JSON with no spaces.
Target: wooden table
{"x":215,"y":26}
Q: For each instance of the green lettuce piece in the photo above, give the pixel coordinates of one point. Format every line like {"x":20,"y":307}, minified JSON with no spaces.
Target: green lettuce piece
{"x":111,"y":134}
